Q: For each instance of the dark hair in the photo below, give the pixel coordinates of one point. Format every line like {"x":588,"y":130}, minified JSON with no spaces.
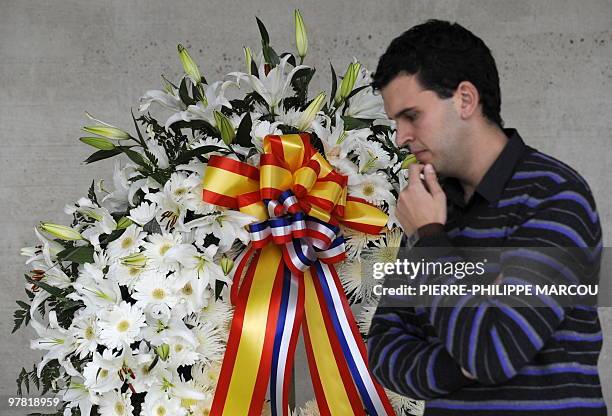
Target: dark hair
{"x":443,"y":54}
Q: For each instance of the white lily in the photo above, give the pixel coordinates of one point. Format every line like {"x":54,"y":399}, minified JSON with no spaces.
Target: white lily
{"x":169,"y":99}
{"x":226,"y":225}
{"x":365,"y":104}
{"x":273,"y":87}
{"x":215,"y":99}
{"x":77,"y":394}
{"x":58,"y":341}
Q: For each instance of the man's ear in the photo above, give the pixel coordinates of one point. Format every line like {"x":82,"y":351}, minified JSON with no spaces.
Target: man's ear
{"x":466,"y":99}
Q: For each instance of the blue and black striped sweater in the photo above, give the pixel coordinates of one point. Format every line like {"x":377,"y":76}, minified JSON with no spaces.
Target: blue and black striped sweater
{"x":519,"y":360}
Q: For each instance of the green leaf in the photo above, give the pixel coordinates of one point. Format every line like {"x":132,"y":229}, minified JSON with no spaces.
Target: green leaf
{"x":243,"y":134}
{"x":184,"y":94}
{"x":134,"y":156}
{"x":198,"y":151}
{"x":83,"y":254}
{"x":351,"y":123}
{"x":102,"y":154}
{"x":270,"y":55}
{"x":334,"y":84}
{"x":140,"y":138}
{"x":57,"y":292}
{"x":265,"y":38}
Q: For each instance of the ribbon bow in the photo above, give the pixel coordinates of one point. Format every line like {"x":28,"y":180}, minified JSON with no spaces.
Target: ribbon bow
{"x":290,"y":282}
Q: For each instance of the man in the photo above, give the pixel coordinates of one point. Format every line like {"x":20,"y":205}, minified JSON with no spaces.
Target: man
{"x":482,"y":355}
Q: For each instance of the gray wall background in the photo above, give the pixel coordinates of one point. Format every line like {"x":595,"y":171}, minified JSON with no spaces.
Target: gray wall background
{"x":60,"y":58}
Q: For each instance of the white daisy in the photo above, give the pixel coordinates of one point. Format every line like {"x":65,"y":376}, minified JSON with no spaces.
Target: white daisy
{"x":156,"y":250}
{"x":181,"y":352}
{"x":84,"y":329}
{"x":129,"y":242}
{"x":372,"y":156}
{"x":115,"y":403}
{"x":155,"y":294}
{"x":161,"y":404}
{"x":374,"y":188}
{"x":102,"y":373}
{"x":120,"y":326}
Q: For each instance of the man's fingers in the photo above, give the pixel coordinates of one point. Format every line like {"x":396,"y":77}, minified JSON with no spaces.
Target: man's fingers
{"x":414,"y":174}
{"x":431,"y":179}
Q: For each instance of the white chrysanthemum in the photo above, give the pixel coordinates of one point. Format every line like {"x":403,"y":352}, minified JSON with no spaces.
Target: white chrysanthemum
{"x":156,"y":250}
{"x":405,"y":405}
{"x":120,"y":326}
{"x":364,"y":317}
{"x":374,"y":188}
{"x":356,"y":241}
{"x":218,"y":313}
{"x":129,"y":242}
{"x":102,"y":373}
{"x":84,"y":329}
{"x":310,"y":409}
{"x":202,"y":407}
{"x":143,"y":213}
{"x":352,"y":278}
{"x":206,"y":375}
{"x":155,"y":294}
{"x":262,"y":128}
{"x":115,"y":403}
{"x":211,"y":342}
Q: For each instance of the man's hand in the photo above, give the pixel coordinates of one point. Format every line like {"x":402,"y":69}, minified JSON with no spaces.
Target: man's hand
{"x":418,"y":205}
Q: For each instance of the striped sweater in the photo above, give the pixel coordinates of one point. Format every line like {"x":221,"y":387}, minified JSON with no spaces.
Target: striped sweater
{"x":481,"y":355}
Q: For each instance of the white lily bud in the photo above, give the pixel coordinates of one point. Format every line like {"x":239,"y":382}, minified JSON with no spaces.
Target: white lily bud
{"x":134,"y":260}
{"x":61,"y":231}
{"x":348,"y":82}
{"x":98,"y":142}
{"x":190,"y":67}
{"x":225,"y":127}
{"x":124,"y":222}
{"x":409,"y":160}
{"x":163,"y":351}
{"x":226,"y":265}
{"x":301,"y":39}
{"x":108,"y":132}
{"x":248,"y":57}
{"x":311,"y":111}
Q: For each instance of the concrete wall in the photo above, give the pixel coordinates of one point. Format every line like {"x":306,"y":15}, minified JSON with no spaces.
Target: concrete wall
{"x":60,"y":58}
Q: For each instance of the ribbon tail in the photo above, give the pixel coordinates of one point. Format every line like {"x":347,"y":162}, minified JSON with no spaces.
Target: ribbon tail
{"x":332,"y":382}
{"x":245,"y":371}
{"x":344,"y":328}
{"x":290,"y":318}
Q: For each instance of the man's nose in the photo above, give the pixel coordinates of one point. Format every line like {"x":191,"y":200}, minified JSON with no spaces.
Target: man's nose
{"x":403,"y":135}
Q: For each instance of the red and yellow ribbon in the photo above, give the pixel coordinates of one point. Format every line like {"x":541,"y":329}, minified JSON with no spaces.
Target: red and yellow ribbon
{"x":285,"y":280}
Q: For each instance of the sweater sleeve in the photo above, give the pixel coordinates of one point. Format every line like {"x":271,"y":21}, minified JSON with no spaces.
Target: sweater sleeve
{"x":405,"y":359}
{"x":493,"y":337}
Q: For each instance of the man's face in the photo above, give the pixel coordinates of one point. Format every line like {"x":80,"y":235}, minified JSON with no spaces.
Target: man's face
{"x":427,"y":124}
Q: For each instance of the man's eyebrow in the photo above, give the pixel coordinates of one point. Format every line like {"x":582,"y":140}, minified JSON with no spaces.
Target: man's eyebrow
{"x":404,"y":111}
